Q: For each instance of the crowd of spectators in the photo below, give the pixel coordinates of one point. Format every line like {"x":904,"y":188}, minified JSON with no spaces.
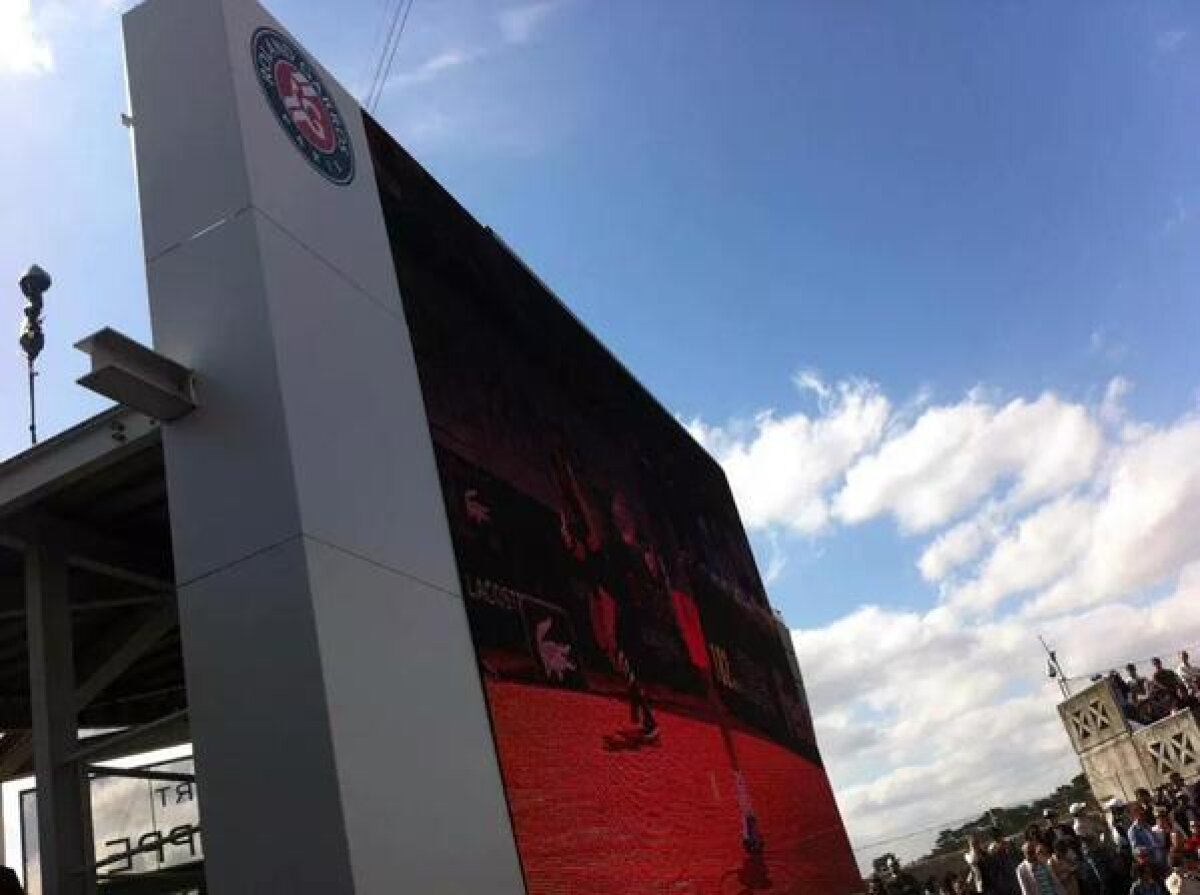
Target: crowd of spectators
{"x":1166,"y":691}
{"x":1148,"y":847}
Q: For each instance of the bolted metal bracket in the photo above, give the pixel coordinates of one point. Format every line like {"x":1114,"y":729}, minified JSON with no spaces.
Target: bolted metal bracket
{"x":136,"y":376}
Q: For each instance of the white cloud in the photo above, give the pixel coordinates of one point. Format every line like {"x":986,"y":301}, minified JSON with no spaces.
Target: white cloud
{"x":1043,"y":516}
{"x":924,"y":718}
{"x":1040,"y":548}
{"x":781,"y":467}
{"x":24,"y":49}
{"x":1144,"y":527}
{"x":519,"y":24}
{"x":958,"y":545}
{"x":1112,"y":408}
{"x":433,"y":67}
{"x":915,"y":720}
{"x":953,"y":456}
{"x":450,"y":82}
{"x":1170,"y":41}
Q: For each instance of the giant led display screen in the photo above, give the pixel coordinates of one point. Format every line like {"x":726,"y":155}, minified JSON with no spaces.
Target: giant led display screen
{"x":651,"y":731}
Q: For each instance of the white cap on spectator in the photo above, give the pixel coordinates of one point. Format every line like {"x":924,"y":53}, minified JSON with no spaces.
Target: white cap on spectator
{"x":1113,"y":804}
{"x":1077,"y":808}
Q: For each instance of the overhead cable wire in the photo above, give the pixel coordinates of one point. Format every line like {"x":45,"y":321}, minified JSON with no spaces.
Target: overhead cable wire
{"x":387,"y":71}
{"x":393,"y":12}
{"x":371,"y":62}
{"x":390,"y":54}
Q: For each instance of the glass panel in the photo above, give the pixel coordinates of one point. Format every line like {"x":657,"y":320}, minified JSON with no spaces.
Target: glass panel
{"x":139,"y":826}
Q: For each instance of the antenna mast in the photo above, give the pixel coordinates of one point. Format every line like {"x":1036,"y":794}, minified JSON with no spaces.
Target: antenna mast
{"x":1054,"y":668}
{"x":33,"y":285}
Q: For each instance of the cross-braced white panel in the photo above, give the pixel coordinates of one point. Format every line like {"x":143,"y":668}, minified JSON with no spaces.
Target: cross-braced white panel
{"x":1090,"y":720}
{"x":1174,"y":752}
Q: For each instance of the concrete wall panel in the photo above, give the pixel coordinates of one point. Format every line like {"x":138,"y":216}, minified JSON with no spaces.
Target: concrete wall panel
{"x":361,"y":451}
{"x":191,"y":167}
{"x":420,"y":779}
{"x":271,"y":807}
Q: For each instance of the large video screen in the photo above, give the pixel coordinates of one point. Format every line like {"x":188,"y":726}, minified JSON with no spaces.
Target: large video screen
{"x":652,"y":732}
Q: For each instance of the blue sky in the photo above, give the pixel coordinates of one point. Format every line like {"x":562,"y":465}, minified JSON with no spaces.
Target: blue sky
{"x":972,"y":225}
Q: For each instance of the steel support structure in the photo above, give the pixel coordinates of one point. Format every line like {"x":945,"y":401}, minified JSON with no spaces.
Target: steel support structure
{"x":63,"y":799}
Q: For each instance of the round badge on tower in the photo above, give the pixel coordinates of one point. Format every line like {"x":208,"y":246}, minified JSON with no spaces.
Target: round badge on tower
{"x":302,"y":106}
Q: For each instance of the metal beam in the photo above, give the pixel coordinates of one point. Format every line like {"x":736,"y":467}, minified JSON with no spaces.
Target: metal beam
{"x":133,"y":644}
{"x":99,"y":770}
{"x":88,"y":549}
{"x":17,"y":746}
{"x":136,"y":376}
{"x":124,"y":741}
{"x":63,"y":796}
{"x":112,"y":660}
{"x":94,"y":605}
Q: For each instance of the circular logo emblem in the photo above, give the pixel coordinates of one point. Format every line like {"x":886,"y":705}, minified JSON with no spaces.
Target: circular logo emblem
{"x":302,"y":105}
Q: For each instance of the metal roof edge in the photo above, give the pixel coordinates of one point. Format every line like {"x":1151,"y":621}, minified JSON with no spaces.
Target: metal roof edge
{"x":59,"y":461}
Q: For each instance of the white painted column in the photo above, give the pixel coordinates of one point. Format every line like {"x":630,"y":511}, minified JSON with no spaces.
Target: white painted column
{"x":342,"y":742}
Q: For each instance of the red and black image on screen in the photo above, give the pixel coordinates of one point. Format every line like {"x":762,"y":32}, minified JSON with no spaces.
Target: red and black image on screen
{"x":651,"y":729}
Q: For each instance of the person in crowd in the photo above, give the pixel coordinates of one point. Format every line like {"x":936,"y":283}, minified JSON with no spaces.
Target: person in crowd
{"x":1137,"y":685}
{"x":1065,"y":867}
{"x":1178,"y":786}
{"x":9,"y":884}
{"x":1065,"y":834}
{"x":1006,"y":859}
{"x":1095,"y":866}
{"x":1115,"y":812}
{"x":1034,"y":875}
{"x":1162,"y":833}
{"x":1145,"y":879}
{"x":1118,"y":839}
{"x":1165,"y":685}
{"x":1083,"y":824}
{"x":1164,"y":676}
{"x":1054,"y":830}
{"x":1120,"y":690}
{"x":1145,"y":798}
{"x":898,"y":880}
{"x":1181,"y":880}
{"x":1188,"y":673}
{"x":1184,"y":813}
{"x":982,"y":874}
{"x":1033,"y":832}
{"x":1141,"y":837}
{"x":1192,"y":845}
